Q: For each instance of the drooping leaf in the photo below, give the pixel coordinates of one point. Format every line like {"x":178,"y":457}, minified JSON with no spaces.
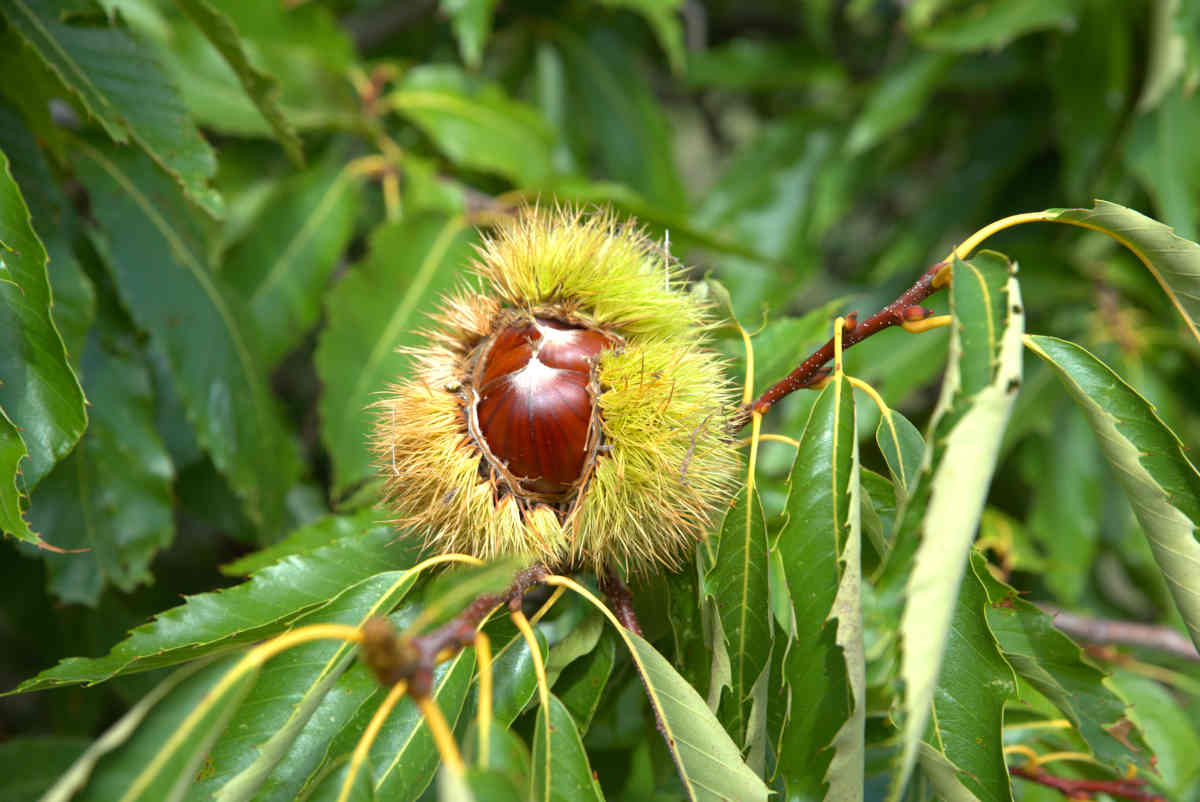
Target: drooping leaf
{"x":1172,"y":260}
{"x":563,"y":772}
{"x":1051,"y":662}
{"x":78,"y":775}
{"x":737,"y":584}
{"x":475,"y":123}
{"x":1149,"y":461}
{"x":39,"y":391}
{"x":968,"y":702}
{"x":158,"y":753}
{"x":156,"y":253}
{"x":259,"y":86}
{"x":122,"y":86}
{"x":939,"y":520}
{"x":111,"y":498}
{"x":283,"y":265}
{"x":377,"y":308}
{"x":815,"y":676}
{"x":262,"y":606}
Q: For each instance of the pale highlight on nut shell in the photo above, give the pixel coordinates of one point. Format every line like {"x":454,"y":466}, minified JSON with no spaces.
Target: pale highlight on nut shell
{"x":566,"y":409}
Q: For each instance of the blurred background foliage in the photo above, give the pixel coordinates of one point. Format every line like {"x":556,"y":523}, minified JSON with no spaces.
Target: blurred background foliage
{"x":248,"y":206}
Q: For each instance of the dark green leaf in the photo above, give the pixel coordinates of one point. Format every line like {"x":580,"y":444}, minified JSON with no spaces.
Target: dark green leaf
{"x":309,"y":538}
{"x":992,"y":24}
{"x":1148,"y":460}
{"x":111,"y":498}
{"x":28,"y":766}
{"x":377,"y":308}
{"x":155,"y":249}
{"x":663,"y":17}
{"x":1049,"y":661}
{"x":581,"y":685}
{"x":897,"y":100}
{"x":560,"y":766}
{"x":123,"y":87}
{"x":38,"y":391}
{"x":261,"y":607}
{"x":282,"y":267}
{"x":261,"y":87}
{"x":738,"y":585}
{"x":902,"y":447}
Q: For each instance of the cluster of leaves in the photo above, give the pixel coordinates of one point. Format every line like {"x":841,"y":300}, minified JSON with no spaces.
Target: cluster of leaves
{"x":218,"y":221}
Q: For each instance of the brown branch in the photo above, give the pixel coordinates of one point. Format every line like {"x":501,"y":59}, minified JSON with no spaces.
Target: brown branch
{"x":1125,"y":788}
{"x":906,"y":308}
{"x":394,"y":657}
{"x":1104,"y":631}
{"x":620,"y":600}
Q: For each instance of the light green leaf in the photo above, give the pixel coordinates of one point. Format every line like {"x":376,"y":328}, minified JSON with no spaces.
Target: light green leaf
{"x":123,"y":87}
{"x":475,"y":123}
{"x":112,"y":497}
{"x":898,"y":99}
{"x":1054,"y":665}
{"x":1170,"y":731}
{"x":155,"y":251}
{"x":282,"y":267}
{"x":39,"y":391}
{"x":993,"y":24}
{"x":821,"y":507}
{"x":1172,"y":260}
{"x":968,"y":702}
{"x":941,"y":516}
{"x":1166,"y":167}
{"x":472,"y":24}
{"x":903,"y":448}
{"x":377,"y":308}
{"x":737,"y":583}
{"x":261,"y":607}
{"x":261,"y":87}
{"x":1149,"y":461}
{"x":560,"y":765}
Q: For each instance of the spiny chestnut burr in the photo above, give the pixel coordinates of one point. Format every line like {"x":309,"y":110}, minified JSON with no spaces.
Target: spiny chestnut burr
{"x":569,"y":411}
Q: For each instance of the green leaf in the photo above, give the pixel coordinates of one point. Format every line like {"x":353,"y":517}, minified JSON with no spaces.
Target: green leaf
{"x":663,"y":17}
{"x":155,"y":251}
{"x":1168,"y":170}
{"x":1149,"y":461}
{"x":457,"y":587}
{"x":30,"y":765}
{"x":291,"y":688}
{"x":377,"y":308}
{"x":1170,"y":732}
{"x":562,"y":772}
{"x":897,"y":100}
{"x":738,"y":585}
{"x":122,"y":86}
{"x":308,"y":538}
{"x":968,"y":702}
{"x":39,"y":391}
{"x":260,"y":87}
{"x":613,"y":122}
{"x":475,"y":123}
{"x":902,"y":447}
{"x":282,"y":267}
{"x":941,"y":516}
{"x":116,"y":736}
{"x":815,"y":677}
{"x":12,"y":451}
{"x":581,"y":684}
{"x":993,"y":24}
{"x":111,"y":498}
{"x":1172,"y":260}
{"x":472,"y":24}
{"x":783,"y":344}
{"x":1051,"y":662}
{"x":261,"y":607}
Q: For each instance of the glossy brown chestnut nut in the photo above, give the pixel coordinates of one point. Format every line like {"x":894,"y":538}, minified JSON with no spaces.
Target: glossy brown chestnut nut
{"x":534,"y":403}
